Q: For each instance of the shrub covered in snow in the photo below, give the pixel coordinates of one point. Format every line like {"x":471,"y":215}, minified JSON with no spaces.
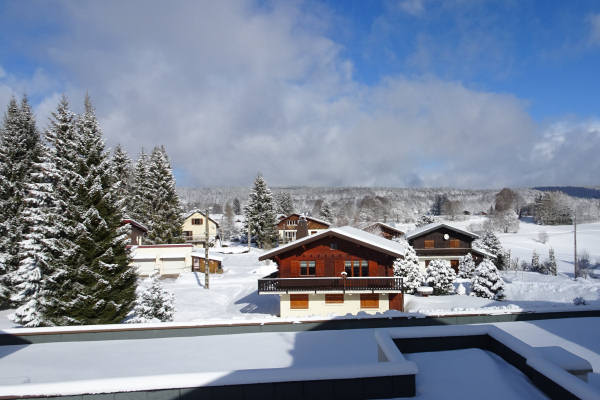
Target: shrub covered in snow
{"x":490,"y":243}
{"x":466,"y":266}
{"x":424,"y":220}
{"x":154,"y":303}
{"x":408,"y":268}
{"x":579,"y":301}
{"x":440,"y":276}
{"x":487,"y":281}
{"x":535,"y":262}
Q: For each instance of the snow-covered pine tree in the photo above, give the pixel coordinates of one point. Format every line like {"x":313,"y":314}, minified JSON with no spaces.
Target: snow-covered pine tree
{"x":487,"y":282}
{"x":140,"y":205}
{"x":466,"y":267}
{"x":535,"y":262}
{"x":227,"y":224}
{"x":154,"y":303}
{"x":260,"y":214}
{"x":551,"y":266}
{"x":440,"y":276}
{"x":237,"y":207}
{"x":20,"y":149}
{"x":490,"y":243}
{"x":284,"y":203}
{"x":39,"y":247}
{"x":101,"y":282}
{"x":408,"y":268}
{"x":122,"y":174}
{"x":165,"y":212}
{"x":326,"y":212}
{"x":424,"y":220}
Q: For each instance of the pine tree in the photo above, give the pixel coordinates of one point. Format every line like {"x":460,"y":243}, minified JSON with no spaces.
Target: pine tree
{"x":166,"y":219}
{"x":535,"y":262}
{"x":326,"y":212}
{"x":140,"y":206}
{"x":487,"y":282}
{"x":284,"y":203}
{"x":260,"y":214}
{"x":490,"y":243}
{"x":237,"y":207}
{"x":122,"y":174}
{"x":408,"y":268}
{"x":440,"y":276}
{"x":551,"y":265}
{"x":466,"y":267}
{"x":98,"y":284}
{"x":154,"y":303}
{"x":227,"y":224}
{"x":20,"y":149}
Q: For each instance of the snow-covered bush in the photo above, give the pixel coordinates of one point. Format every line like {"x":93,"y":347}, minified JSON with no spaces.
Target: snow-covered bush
{"x":535,"y":262}
{"x":466,"y":266}
{"x":154,"y":303}
{"x":408,"y":268}
{"x":490,"y":243}
{"x":487,"y":281}
{"x":424,"y":220}
{"x":440,"y":276}
{"x":579,"y":301}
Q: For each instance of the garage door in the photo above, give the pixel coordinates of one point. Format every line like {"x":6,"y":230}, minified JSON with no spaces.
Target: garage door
{"x":174,"y":265}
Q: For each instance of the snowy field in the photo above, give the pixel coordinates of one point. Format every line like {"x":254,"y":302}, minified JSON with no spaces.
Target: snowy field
{"x":469,"y":373}
{"x":233,"y":297}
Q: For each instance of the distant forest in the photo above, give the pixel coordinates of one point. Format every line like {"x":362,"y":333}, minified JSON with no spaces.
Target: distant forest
{"x":573,"y":191}
{"x":350,"y":205}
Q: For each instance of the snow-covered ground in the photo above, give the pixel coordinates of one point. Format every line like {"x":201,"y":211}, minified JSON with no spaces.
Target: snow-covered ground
{"x":233,"y":296}
{"x":222,"y":357}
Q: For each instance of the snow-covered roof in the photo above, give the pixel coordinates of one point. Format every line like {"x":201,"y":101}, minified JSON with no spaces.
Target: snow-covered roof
{"x":396,"y":249}
{"x":135,"y":223}
{"x":382,"y":224}
{"x":211,"y":256}
{"x":197,"y":210}
{"x":483,"y":252}
{"x":162,"y":250}
{"x":433,"y":226}
{"x":321,"y":221}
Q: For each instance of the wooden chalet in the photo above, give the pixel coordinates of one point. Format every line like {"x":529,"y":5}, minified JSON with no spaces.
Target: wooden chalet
{"x":384,"y":230}
{"x":138,"y":232}
{"x":445,"y":242}
{"x":337,"y":271}
{"x":215,"y":263}
{"x":287,"y":227}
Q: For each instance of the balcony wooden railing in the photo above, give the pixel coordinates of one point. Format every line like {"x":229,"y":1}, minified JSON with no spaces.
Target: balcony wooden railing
{"x":198,"y":238}
{"x":329,"y":284}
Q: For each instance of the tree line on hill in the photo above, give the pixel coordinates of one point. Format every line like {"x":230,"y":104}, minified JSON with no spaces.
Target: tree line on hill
{"x":63,"y":247}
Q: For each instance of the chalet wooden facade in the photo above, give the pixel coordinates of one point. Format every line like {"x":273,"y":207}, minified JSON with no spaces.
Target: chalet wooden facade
{"x":445,"y":242}
{"x":384,"y":230}
{"x":215,"y":263}
{"x":287,"y":227}
{"x":138,"y":232}
{"x":337,"y":271}
{"x":194,"y":227}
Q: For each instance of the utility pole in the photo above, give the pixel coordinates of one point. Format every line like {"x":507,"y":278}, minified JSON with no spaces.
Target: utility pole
{"x":575,"y":242}
{"x":206,"y":262}
{"x":249,"y":238}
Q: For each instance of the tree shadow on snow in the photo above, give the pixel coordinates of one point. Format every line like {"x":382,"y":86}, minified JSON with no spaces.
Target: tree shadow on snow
{"x":259,"y":304}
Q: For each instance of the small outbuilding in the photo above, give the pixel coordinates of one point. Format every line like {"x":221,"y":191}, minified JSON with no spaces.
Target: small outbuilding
{"x":215,"y":263}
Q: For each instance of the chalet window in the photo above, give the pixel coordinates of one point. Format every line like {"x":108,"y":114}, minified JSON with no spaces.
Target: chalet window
{"x":369,"y":300}
{"x":197,"y":221}
{"x":356,"y":268}
{"x":455,"y":243}
{"x":429,"y":244}
{"x":334,"y":299}
{"x":333,"y":246}
{"x":188,"y":233}
{"x":364,"y":268}
{"x":308,"y":268}
{"x":298,"y":301}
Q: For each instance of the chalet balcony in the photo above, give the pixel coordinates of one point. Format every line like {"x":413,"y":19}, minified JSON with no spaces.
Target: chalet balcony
{"x":196,"y":238}
{"x":273,"y":285}
{"x":443,"y":251}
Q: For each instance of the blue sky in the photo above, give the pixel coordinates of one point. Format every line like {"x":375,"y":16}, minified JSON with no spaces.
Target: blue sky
{"x":396,"y":93}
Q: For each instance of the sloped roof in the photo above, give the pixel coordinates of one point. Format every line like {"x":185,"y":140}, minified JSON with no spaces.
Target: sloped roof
{"x":211,"y":256}
{"x":432,"y":227}
{"x":366,"y":239}
{"x":483,"y":252}
{"x":382,"y":224}
{"x":134,"y":223}
{"x":321,"y":221}
{"x":192,"y":212}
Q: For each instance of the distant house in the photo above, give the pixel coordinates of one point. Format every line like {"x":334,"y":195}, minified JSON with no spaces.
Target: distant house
{"x":215,"y":263}
{"x":287,"y":226}
{"x":194,"y":227}
{"x":336,"y":271}
{"x":384,"y":230}
{"x":439,"y":241}
{"x":138,"y":231}
{"x":166,"y":259}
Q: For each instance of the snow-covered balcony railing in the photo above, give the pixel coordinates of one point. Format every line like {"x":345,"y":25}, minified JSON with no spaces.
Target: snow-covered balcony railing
{"x":330,"y":285}
{"x":197,"y":238}
{"x":442,"y":251}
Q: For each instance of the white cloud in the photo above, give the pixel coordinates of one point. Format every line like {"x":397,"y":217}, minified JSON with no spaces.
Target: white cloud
{"x":231,"y":90}
{"x":412,"y":7}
